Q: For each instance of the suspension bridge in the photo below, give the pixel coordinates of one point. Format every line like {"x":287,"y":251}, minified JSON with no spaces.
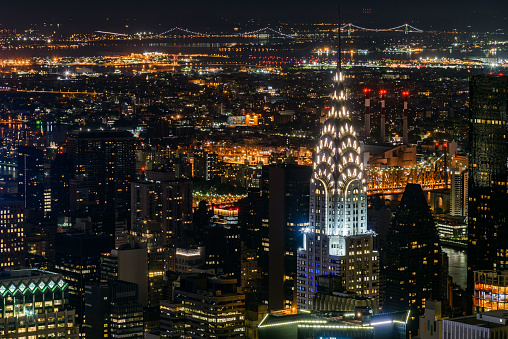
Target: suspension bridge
{"x":349,"y":28}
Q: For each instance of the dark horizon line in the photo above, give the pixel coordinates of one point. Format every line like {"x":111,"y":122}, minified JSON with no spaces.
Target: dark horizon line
{"x":126,"y":27}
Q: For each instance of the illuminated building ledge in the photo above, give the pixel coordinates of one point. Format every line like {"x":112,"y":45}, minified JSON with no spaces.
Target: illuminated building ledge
{"x":30,"y":280}
{"x":335,"y":324}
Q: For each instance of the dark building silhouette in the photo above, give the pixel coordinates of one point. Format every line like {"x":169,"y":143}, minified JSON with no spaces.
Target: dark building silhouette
{"x":112,"y":310}
{"x":103,"y":166}
{"x":31,"y":177}
{"x":161,"y":214}
{"x":164,"y":200}
{"x":222,"y":242}
{"x":77,"y":259}
{"x":254,"y":279}
{"x":412,"y":259}
{"x":40,"y":241}
{"x":288,"y":215}
{"x":488,"y":176}
{"x":60,"y":171}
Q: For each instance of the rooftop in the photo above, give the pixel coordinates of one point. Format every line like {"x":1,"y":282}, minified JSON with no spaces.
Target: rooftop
{"x":492,"y":319}
{"x":24,"y":273}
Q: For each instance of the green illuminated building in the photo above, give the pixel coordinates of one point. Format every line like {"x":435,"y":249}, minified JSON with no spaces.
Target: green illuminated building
{"x":34,"y":304}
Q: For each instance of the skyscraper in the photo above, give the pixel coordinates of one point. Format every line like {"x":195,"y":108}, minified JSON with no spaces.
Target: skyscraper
{"x":204,"y":306}
{"x":112,"y":310}
{"x":488,"y":175}
{"x":161,"y":214}
{"x":31,"y":177}
{"x":412,"y":260}
{"x":164,"y":200}
{"x":78,"y":261}
{"x":288,"y":203}
{"x":337,"y":241}
{"x":103,"y":166}
{"x":12,"y":238}
{"x":126,"y":264}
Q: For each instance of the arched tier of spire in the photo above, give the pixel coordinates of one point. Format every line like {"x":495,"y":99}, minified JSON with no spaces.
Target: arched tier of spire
{"x":338,"y":159}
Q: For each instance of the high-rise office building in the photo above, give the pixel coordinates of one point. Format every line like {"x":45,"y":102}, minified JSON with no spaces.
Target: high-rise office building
{"x":337,"y":241}
{"x":77,"y":259}
{"x":31,"y":177}
{"x":411,"y":262}
{"x":112,"y":310}
{"x":60,"y":172}
{"x":40,"y":241}
{"x":161,"y":209}
{"x":222,"y":242}
{"x":126,"y":264}
{"x":488,"y":175}
{"x":35,"y":305}
{"x":459,"y":189}
{"x":204,"y":307}
{"x":288,"y":215}
{"x":254,"y":237}
{"x":103,"y":166}
{"x":205,"y":164}
{"x":162,"y":199}
{"x":12,"y":247}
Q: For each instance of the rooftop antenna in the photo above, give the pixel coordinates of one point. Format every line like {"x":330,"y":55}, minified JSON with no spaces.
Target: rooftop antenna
{"x":339,"y":50}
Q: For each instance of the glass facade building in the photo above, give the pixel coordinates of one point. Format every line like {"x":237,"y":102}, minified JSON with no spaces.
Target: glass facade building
{"x":490,"y":291}
{"x":488,"y":175}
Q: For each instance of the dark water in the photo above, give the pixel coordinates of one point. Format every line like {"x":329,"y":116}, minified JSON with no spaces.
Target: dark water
{"x":109,"y":49}
{"x":457,"y":266}
{"x":188,"y":46}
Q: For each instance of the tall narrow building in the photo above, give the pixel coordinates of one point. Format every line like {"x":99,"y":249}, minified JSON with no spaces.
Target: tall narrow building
{"x":337,"y":241}
{"x":412,"y":260}
{"x":31,"y":177}
{"x":288,"y":209}
{"x":488,"y":176}
{"x":103,"y":164}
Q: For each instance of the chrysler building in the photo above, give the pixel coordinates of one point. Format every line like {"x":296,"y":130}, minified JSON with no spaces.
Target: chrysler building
{"x":337,"y":241}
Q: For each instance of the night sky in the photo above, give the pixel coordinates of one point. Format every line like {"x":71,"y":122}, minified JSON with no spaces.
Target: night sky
{"x":159,"y":15}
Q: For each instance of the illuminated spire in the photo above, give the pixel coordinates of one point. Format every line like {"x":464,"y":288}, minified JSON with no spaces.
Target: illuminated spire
{"x":338,"y":204}
{"x":339,"y":50}
{"x":338,"y":156}
{"x":338,"y":107}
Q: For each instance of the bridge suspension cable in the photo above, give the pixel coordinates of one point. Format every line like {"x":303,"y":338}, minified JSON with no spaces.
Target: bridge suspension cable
{"x":405,"y":27}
